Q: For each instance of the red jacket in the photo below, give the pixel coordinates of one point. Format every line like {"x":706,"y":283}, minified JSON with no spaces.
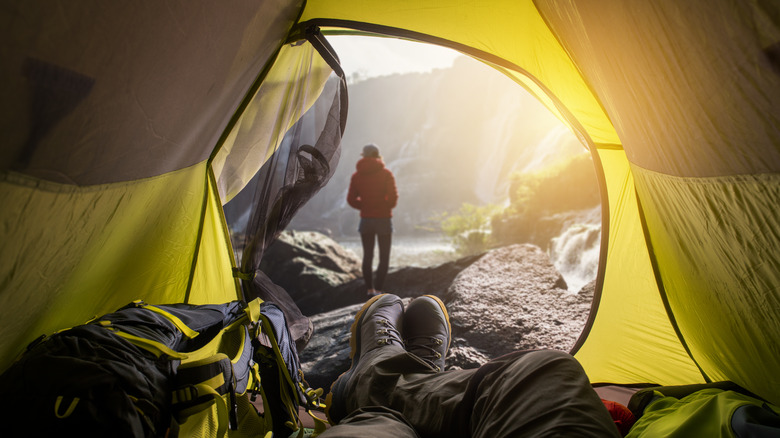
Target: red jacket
{"x":372,"y":189}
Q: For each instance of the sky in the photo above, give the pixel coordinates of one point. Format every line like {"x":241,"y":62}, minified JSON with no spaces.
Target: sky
{"x":374,"y":56}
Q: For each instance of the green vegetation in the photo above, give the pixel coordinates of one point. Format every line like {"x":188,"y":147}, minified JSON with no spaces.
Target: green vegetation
{"x":568,"y":186}
{"x":469,"y":229}
{"x":533,"y":196}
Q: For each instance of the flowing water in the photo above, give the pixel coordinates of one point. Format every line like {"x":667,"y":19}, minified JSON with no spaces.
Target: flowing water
{"x":575,"y":252}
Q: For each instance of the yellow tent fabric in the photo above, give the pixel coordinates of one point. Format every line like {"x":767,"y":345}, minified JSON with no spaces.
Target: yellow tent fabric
{"x":90,"y":250}
{"x":631,"y":325}
{"x":121,"y":125}
{"x":504,"y":30}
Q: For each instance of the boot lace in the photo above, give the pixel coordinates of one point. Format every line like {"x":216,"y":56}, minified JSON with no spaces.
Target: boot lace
{"x":425,"y":347}
{"x":389,"y":332}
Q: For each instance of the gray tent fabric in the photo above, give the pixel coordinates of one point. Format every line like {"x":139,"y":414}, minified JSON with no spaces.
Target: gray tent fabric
{"x":119,"y":91}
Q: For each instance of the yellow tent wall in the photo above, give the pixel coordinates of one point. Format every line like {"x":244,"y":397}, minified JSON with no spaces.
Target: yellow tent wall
{"x":90,"y":250}
{"x":631,"y":339}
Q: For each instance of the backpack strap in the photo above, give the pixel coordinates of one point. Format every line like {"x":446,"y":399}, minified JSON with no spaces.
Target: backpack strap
{"x":155,"y":347}
{"x":253,"y":310}
{"x":313,"y":397}
{"x":278,"y":370}
{"x":175,"y":320}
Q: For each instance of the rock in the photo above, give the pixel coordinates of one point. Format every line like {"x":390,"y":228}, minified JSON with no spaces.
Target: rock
{"x":327,"y":354}
{"x":463,"y":356}
{"x":508,"y":299}
{"x":304,"y":261}
{"x":404,"y":282}
{"x":512,"y":299}
{"x":413,"y":281}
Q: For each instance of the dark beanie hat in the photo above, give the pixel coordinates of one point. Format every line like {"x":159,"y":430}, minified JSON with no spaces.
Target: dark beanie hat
{"x":370,"y":150}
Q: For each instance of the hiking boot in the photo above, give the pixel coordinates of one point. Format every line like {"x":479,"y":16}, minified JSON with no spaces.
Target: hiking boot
{"x":427,"y":330}
{"x":377,"y":324}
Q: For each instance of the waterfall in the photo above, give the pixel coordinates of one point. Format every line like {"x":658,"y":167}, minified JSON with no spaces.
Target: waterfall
{"x":575,"y":253}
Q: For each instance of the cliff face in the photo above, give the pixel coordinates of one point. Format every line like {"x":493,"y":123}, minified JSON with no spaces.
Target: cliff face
{"x":450,"y":136}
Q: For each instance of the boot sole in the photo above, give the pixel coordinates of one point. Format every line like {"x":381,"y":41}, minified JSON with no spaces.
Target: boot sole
{"x":354,"y":354}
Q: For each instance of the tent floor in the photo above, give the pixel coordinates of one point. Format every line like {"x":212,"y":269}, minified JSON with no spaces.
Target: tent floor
{"x":619,"y":394}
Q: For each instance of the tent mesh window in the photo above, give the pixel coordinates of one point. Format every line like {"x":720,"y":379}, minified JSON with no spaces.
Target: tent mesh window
{"x":301,"y":165}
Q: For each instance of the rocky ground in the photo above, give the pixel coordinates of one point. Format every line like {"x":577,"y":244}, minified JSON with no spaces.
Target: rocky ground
{"x":507,"y":299}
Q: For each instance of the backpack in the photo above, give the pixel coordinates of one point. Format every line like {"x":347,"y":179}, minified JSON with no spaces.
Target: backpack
{"x":161,"y":371}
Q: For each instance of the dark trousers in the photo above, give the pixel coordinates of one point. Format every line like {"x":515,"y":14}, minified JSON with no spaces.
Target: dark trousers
{"x":542,"y":393}
{"x":385,"y":242}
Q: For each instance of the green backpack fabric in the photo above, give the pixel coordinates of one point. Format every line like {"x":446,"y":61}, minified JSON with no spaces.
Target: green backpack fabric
{"x":155,"y":371}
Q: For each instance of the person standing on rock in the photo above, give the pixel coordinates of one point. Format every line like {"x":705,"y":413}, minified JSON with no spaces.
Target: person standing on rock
{"x":372,"y":190}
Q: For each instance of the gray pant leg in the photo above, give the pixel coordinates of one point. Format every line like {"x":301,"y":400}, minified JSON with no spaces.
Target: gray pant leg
{"x":391,"y":377}
{"x":534,"y":394}
{"x":373,"y":422}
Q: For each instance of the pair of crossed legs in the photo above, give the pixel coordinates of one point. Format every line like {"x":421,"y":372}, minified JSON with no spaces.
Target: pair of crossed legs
{"x":395,"y":386}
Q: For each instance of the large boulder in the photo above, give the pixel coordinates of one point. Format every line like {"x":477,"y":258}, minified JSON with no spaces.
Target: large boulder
{"x":512,"y":299}
{"x":306,"y":261}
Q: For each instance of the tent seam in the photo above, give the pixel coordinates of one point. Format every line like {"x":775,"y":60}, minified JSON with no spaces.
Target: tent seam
{"x":226,"y":234}
{"x":199,"y":236}
{"x":662,"y":290}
